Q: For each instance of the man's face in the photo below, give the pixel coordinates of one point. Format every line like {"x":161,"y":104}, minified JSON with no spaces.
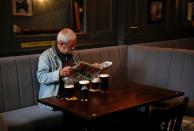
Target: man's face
{"x":66,"y":48}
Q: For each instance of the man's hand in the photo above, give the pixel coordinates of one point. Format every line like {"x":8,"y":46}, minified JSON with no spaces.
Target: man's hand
{"x":66,"y":71}
{"x":96,"y":64}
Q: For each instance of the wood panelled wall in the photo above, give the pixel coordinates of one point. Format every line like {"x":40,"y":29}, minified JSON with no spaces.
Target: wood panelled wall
{"x":137,"y":28}
{"x":108,"y":22}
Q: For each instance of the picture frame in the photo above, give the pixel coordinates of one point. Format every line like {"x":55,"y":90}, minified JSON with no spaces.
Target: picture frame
{"x":190,"y":14}
{"x":22,"y":7}
{"x":155,"y":11}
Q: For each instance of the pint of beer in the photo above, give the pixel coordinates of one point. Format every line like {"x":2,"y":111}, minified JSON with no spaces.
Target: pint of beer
{"x":84,"y":86}
{"x":104,"y":78}
{"x":95,"y":83}
{"x":69,"y":91}
{"x":68,"y":88}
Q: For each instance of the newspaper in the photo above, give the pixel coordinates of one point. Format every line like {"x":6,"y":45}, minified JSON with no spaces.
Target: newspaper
{"x":84,"y":70}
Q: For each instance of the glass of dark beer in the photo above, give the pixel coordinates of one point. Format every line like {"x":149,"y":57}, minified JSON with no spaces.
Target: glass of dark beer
{"x":69,"y":88}
{"x":95,"y":83}
{"x":84,"y":86}
{"x":104,"y":78}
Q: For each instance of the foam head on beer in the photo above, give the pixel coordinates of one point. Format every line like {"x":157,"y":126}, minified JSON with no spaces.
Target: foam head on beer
{"x":84,"y":82}
{"x":104,"y":75}
{"x":69,"y":86}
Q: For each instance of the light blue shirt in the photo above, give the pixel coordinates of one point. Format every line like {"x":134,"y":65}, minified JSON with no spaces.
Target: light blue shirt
{"x":48,"y":73}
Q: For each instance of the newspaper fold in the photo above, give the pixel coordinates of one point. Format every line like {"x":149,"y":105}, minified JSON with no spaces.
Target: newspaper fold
{"x":84,"y":70}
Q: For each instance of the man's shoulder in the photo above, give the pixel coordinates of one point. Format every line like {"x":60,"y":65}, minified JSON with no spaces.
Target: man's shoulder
{"x":49,"y":51}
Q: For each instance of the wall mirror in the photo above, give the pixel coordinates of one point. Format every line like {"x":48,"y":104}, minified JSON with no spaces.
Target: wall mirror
{"x":35,"y":17}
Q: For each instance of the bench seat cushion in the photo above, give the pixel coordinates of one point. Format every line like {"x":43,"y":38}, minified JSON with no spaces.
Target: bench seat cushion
{"x":33,"y":118}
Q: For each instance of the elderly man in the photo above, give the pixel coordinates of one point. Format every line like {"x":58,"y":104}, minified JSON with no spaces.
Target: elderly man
{"x":56,"y":63}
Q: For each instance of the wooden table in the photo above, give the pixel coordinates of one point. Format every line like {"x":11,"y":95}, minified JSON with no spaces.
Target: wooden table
{"x":126,"y":96}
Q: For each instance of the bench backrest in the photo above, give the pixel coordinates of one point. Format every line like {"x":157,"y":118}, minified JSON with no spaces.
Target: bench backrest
{"x":19,"y":86}
{"x":162,"y":67}
{"x":115,"y":54}
{"x":184,"y":43}
{"x":18,"y":83}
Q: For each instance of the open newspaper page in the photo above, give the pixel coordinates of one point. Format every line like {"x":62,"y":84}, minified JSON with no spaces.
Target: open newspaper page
{"x":84,"y":70}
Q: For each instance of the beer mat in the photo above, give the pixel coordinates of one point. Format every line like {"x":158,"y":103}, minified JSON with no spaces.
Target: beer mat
{"x":71,"y":99}
{"x":94,"y":90}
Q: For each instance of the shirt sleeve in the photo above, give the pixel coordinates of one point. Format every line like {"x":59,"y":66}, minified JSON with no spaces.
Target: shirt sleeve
{"x":44,"y":73}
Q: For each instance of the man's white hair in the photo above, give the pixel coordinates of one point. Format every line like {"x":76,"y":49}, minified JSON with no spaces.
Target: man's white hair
{"x":65,"y":35}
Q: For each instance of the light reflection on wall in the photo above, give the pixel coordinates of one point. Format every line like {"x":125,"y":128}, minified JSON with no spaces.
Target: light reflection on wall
{"x":41,"y":0}
{"x":42,"y":5}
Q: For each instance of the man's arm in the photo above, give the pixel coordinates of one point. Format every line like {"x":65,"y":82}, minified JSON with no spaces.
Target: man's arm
{"x":44,"y":73}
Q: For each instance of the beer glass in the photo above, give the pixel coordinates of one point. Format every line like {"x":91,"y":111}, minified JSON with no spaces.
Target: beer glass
{"x":68,"y":88}
{"x":104,"y":78}
{"x":95,"y":83}
{"x":84,"y":86}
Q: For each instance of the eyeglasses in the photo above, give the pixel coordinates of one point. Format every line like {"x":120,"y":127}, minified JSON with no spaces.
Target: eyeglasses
{"x":69,"y":46}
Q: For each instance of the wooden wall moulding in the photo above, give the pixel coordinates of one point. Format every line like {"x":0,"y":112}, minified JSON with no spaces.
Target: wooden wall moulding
{"x":36,"y":44}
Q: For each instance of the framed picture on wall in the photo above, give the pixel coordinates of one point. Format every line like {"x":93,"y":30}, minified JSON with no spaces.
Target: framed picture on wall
{"x":155,"y":11}
{"x":22,"y":7}
{"x":190,"y":14}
